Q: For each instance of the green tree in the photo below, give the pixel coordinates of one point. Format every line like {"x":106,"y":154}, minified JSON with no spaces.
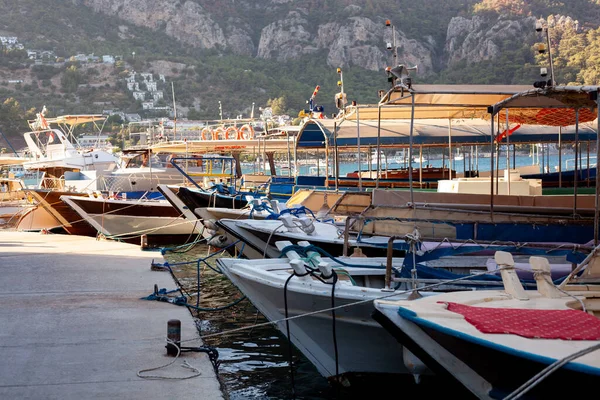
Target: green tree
{"x":71,"y":79}
{"x":279,"y":105}
{"x":13,"y":119}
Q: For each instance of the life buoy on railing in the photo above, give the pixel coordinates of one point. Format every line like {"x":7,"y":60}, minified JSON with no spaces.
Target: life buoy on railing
{"x":206,"y":134}
{"x":218,"y":133}
{"x":231,"y":133}
{"x":246,"y":132}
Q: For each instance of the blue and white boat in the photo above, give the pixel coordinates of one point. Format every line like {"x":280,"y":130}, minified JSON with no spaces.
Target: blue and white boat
{"x":504,"y":344}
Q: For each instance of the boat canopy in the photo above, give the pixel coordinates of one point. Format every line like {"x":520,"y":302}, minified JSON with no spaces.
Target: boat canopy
{"x":75,"y":119}
{"x":203,"y":146}
{"x":462,"y":114}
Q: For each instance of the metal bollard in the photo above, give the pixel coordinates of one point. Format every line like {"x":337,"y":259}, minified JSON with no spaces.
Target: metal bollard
{"x":174,"y":335}
{"x":144,"y":241}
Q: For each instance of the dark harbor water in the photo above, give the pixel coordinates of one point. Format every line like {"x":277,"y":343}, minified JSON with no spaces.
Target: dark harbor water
{"x":254,"y":362}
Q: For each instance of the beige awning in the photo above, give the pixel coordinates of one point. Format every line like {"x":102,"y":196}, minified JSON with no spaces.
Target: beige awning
{"x":209,"y":146}
{"x":75,"y":119}
{"x":525,"y":105}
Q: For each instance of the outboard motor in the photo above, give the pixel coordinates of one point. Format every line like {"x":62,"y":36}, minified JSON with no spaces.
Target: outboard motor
{"x":219,"y":241}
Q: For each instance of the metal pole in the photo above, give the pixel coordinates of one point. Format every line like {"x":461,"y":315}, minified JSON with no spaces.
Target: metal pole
{"x":287,"y":134}
{"x":358,"y":149}
{"x":550,"y":56}
{"x":462,"y":152}
{"x":443,"y":163}
{"x":507,"y":156}
{"x":588,"y":163}
{"x":450,"y":149}
{"x":378,"y":145}
{"x":335,"y":156}
{"x":560,"y":156}
{"x":575,"y":177}
{"x":492,"y":166}
{"x":174,"y":112}
{"x":597,"y":201}
{"x":514,"y":151}
{"x":421,"y":166}
{"x":326,"y":163}
{"x":410,"y":151}
{"x":296,"y":169}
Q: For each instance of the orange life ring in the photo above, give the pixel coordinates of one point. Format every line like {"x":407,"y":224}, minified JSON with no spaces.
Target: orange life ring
{"x":231,"y":133}
{"x":218,"y":133}
{"x":206,"y":134}
{"x":246,"y":132}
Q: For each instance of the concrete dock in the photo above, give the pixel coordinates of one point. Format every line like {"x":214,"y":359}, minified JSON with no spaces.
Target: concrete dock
{"x":73,"y":326}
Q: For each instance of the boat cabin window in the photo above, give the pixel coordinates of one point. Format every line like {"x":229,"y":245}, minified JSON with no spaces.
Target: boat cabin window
{"x":140,"y":160}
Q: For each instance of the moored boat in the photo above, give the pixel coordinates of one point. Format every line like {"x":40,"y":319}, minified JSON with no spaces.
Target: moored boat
{"x":494,"y":341}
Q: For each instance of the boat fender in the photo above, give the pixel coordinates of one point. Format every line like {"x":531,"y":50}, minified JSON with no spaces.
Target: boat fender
{"x":210,"y":224}
{"x":414,"y":365}
{"x":219,"y":241}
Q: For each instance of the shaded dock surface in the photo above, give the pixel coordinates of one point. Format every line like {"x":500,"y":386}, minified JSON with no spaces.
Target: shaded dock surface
{"x":73,"y":326}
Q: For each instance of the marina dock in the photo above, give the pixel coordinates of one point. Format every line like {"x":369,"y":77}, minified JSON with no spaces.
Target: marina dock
{"x":73,"y":324}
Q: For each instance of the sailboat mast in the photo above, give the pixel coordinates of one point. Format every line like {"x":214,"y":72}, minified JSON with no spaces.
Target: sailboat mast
{"x":174,"y":112}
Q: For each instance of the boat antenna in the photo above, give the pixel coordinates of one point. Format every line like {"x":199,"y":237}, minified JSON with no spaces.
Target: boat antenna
{"x":174,"y":112}
{"x":340,"y":98}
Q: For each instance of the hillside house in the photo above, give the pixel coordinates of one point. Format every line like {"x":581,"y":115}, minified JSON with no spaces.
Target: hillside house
{"x":133,"y":117}
{"x":151,"y":86}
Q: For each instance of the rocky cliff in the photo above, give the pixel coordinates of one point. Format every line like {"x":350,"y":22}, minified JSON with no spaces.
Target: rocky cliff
{"x":290,"y":31}
{"x":478,"y":38}
{"x":353,"y":40}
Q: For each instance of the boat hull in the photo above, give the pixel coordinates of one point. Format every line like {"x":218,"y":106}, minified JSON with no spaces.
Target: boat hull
{"x":362,"y":345}
{"x":124,"y":218}
{"x":504,"y":370}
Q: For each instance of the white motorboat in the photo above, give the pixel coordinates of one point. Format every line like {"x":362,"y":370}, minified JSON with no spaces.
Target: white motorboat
{"x":362,"y":345}
{"x":256,"y":238}
{"x":52,"y":150}
{"x":494,"y":341}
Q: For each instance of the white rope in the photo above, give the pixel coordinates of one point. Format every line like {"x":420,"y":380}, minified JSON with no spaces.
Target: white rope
{"x":356,"y":303}
{"x":185,"y":364}
{"x":543,"y":374}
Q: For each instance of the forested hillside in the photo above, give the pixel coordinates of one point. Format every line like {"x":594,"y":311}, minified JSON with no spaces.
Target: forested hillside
{"x":274,"y":51}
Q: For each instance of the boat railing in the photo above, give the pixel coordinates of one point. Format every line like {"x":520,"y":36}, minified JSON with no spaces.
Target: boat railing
{"x":584,"y":163}
{"x":214,"y":169}
{"x":53,"y":183}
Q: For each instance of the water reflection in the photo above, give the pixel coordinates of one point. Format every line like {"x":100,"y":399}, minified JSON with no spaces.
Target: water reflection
{"x":254,"y":363}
